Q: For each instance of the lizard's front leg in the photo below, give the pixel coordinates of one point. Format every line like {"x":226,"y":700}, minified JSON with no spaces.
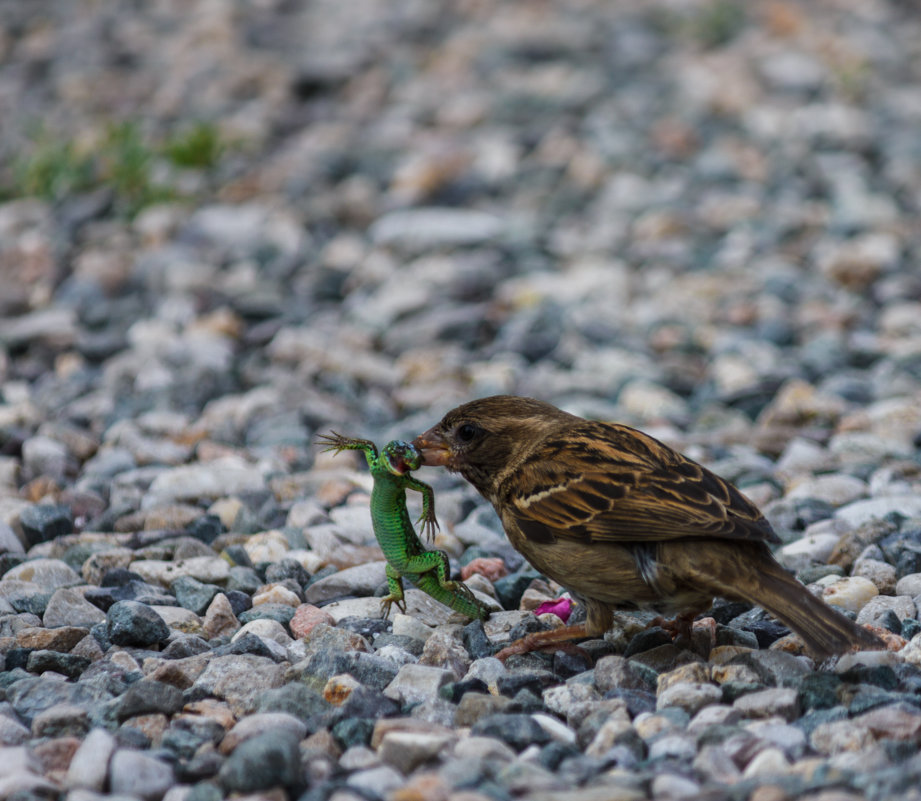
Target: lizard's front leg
{"x":427,"y":521}
{"x":395,"y":596}
{"x":338,"y":443}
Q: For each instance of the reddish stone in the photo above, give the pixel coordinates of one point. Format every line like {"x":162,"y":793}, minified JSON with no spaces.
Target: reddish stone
{"x":307,"y":617}
{"x":492,"y":568}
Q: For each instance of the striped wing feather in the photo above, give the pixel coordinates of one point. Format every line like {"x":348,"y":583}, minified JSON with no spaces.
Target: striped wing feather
{"x":607,"y":482}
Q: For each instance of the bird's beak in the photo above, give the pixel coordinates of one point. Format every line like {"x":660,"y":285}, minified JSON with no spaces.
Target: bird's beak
{"x":435,"y":451}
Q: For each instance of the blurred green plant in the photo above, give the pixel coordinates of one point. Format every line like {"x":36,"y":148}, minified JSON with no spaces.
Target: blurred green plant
{"x":712,"y":24}
{"x":126,"y":161}
{"x":199,"y":146}
{"x":718,"y":22}
{"x":52,"y":170}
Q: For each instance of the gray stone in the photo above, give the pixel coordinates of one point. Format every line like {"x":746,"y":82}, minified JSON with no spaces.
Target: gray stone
{"x":789,"y":738}
{"x":268,"y":759}
{"x":134,"y":623}
{"x":49,"y":574}
{"x":616,"y":672}
{"x":44,"y":456}
{"x":90,"y":764}
{"x":421,"y":229}
{"x":378,"y":781}
{"x":517,"y":731}
{"x":68,"y":607}
{"x":240,"y":679}
{"x":673,"y":746}
{"x":12,"y":732}
{"x":689,"y":696}
{"x":138,"y":774}
{"x":9,"y":542}
{"x":360,"y":580}
{"x":415,"y":683}
{"x":406,"y":750}
{"x":772,"y":702}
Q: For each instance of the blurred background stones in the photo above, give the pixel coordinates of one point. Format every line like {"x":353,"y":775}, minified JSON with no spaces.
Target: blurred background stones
{"x":225,"y":228}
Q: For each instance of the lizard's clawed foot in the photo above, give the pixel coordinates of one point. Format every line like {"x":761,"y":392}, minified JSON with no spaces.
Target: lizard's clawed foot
{"x":387,"y":602}
{"x":334,"y":441}
{"x":428,"y":525}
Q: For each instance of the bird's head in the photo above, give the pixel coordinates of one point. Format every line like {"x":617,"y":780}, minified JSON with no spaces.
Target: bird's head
{"x":483,"y":438}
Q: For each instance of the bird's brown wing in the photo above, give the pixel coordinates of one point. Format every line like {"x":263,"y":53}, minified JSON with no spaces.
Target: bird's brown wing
{"x":606,"y":482}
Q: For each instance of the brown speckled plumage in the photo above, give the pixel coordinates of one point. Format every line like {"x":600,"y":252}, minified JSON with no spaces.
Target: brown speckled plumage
{"x":624,"y":521}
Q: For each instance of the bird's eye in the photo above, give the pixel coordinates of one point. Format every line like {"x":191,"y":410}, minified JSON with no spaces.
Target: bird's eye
{"x":467,"y":431}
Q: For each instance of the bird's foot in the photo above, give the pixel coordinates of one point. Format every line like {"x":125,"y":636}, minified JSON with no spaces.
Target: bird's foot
{"x":684,"y":628}
{"x":538,"y":640}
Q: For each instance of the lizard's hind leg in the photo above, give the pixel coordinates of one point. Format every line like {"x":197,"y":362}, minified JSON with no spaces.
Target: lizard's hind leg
{"x":395,"y":585}
{"x":431,"y":571}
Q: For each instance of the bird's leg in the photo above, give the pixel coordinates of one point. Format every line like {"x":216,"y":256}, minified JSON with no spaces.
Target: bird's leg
{"x":680,"y":627}
{"x":544,"y":639}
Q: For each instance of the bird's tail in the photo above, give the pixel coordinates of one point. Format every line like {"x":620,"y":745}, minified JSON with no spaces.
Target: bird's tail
{"x":758,"y":578}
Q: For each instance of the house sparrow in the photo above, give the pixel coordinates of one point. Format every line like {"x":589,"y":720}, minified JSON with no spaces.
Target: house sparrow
{"x":623,"y":521}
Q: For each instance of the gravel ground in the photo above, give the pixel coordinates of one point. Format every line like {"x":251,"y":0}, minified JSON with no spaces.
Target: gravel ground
{"x":226,"y":228}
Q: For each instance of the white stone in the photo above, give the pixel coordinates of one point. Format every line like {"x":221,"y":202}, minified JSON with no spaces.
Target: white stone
{"x":690,"y":696}
{"x":562,"y":698}
{"x":558,"y":730}
{"x":860,"y":512}
{"x":851,"y":593}
{"x":266,"y":629}
{"x":276,"y":594}
{"x":266,"y":546}
{"x":207,"y":480}
{"x":770,"y":762}
{"x":836,"y":489}
{"x":715,"y":715}
{"x":868,"y":659}
{"x":875,"y":608}
{"x":422,"y":228}
{"x":801,"y":456}
{"x":809,"y":550}
{"x":667,"y":786}
{"x":488,"y":669}
{"x":408,"y":626}
{"x":207,"y":569}
{"x":909,"y":585}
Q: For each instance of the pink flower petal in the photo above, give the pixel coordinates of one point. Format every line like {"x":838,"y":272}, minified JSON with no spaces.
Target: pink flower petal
{"x":561,"y":607}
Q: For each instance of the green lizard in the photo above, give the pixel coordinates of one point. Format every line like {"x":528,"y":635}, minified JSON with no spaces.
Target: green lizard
{"x":406,"y":556}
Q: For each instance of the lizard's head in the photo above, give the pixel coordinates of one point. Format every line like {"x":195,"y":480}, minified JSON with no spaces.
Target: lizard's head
{"x":401,"y":457}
